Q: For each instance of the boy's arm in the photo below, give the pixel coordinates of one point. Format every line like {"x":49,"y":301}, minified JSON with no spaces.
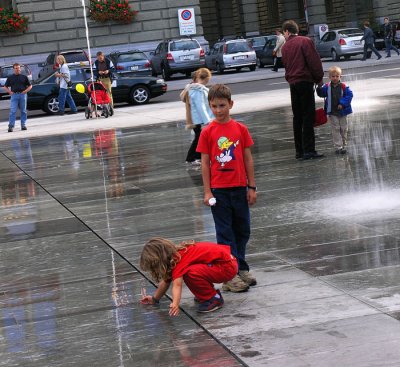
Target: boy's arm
{"x":176,"y":296}
{"x":346,"y":98}
{"x":206,"y":174}
{"x":249,"y":166}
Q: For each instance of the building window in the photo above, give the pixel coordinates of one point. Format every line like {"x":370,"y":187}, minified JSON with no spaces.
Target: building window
{"x":329,"y":7}
{"x":6,"y":4}
{"x":301,"y":7}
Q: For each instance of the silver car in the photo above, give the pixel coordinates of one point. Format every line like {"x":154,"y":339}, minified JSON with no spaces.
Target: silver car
{"x":177,"y":56}
{"x":344,"y":42}
{"x":234,"y":54}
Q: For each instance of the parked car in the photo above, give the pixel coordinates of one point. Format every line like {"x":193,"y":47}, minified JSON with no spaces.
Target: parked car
{"x":75,"y":57}
{"x":344,"y":42}
{"x":131,"y":89}
{"x":178,"y":56}
{"x":396,"y":33}
{"x":258,"y":42}
{"x":264,"y":56}
{"x":234,"y":54}
{"x":134,"y":61}
{"x":6,"y":71}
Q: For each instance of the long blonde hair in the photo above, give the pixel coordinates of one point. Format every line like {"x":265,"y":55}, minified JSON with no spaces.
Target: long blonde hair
{"x":160,"y":256}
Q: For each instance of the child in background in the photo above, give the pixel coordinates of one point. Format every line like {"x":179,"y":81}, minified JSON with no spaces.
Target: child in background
{"x":198,"y":112}
{"x":198,"y":264}
{"x":228,"y":177}
{"x":337,"y":106}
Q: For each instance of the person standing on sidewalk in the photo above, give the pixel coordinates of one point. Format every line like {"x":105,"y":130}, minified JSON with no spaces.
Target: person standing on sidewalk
{"x":17,"y":86}
{"x":369,"y":40}
{"x":103,"y":72}
{"x":389,"y":34}
{"x":303,"y":69}
{"x":280,"y":41}
{"x":64,"y":96}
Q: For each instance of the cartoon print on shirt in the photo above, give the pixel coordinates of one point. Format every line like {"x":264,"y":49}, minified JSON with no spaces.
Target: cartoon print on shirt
{"x":227,"y":148}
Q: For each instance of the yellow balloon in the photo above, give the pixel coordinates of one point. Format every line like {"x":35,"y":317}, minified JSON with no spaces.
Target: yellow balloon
{"x":80,"y":88}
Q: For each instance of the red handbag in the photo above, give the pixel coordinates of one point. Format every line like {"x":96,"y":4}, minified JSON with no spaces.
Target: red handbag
{"x":320,"y":117}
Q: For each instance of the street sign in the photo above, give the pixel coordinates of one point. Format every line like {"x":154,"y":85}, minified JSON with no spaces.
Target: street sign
{"x":187,"y":21}
{"x":322,"y":28}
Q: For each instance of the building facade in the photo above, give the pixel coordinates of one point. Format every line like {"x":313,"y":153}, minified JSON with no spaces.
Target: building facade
{"x":59,"y":24}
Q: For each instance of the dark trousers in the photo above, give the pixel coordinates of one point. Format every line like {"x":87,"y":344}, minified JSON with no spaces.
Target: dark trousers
{"x":374,"y":50}
{"x":192,"y":155}
{"x":303,"y":107}
{"x":277,"y":63}
{"x":232,"y":221}
{"x":389,"y":46}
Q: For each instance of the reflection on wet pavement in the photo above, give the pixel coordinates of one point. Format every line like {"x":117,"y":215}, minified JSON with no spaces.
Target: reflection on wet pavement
{"x":76,"y":210}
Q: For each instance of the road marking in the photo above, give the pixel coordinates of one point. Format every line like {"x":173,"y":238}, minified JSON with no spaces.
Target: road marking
{"x":372,"y":72}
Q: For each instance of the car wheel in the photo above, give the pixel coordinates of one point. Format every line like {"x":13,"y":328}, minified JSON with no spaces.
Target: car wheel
{"x":165,"y":73}
{"x":252,"y":68}
{"x":51,"y":105}
{"x":220,"y":69}
{"x":140,"y":95}
{"x":347,"y":58}
{"x":334,"y":56}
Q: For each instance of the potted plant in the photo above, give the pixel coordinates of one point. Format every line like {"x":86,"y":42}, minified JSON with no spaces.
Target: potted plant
{"x":12,"y":22}
{"x":114,"y":10}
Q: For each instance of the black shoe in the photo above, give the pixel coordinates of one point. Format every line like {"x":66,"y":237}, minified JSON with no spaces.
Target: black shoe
{"x":10,"y":129}
{"x":24,"y":128}
{"x":337,"y":151}
{"x":386,"y":57}
{"x":299,"y":155}
{"x":275,"y":70}
{"x":313,"y":155}
{"x":74,"y":112}
{"x":379,"y":57}
{"x":343,"y":151}
{"x":363,"y":59}
{"x":60,"y":113}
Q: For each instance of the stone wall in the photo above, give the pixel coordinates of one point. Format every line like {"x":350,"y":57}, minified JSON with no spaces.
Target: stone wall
{"x":59,"y":25}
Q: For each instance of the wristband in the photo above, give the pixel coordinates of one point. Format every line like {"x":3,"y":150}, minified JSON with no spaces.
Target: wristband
{"x":252,"y":187}
{"x":156,"y":301}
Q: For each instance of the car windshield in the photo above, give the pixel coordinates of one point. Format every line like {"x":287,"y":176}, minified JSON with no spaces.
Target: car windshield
{"x":259,"y":41}
{"x":75,"y":57}
{"x":233,"y":48}
{"x":183,"y":45}
{"x":350,"y":32}
{"x":8,"y":71}
{"x":132,"y":57}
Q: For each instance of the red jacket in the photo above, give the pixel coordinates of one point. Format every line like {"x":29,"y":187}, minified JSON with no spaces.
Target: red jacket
{"x":301,"y":60}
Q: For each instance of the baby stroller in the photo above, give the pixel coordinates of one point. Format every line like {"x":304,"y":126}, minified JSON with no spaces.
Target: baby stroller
{"x":99,"y":101}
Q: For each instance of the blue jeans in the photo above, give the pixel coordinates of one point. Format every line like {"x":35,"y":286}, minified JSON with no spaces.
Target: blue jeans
{"x":65,"y":97}
{"x":232,"y":221}
{"x":389,"y":46}
{"x":18,"y":100}
{"x":372,"y":48}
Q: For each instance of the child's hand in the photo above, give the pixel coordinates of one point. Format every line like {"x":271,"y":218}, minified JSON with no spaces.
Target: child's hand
{"x":207,"y":198}
{"x":251,"y":196}
{"x":147,"y":300}
{"x":339,"y":107}
{"x":173,"y":309}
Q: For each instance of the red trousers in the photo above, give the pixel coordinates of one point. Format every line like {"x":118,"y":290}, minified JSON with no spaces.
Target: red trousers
{"x":200,"y":278}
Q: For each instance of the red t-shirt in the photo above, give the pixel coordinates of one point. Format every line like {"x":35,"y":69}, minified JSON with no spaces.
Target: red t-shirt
{"x":225,"y":144}
{"x":200,"y":253}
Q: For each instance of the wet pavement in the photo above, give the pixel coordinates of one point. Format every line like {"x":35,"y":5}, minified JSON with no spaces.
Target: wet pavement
{"x":77,"y":208}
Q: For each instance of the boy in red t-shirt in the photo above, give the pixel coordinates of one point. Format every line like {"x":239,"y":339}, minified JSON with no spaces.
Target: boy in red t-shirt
{"x":228,"y":177}
{"x":198,"y":264}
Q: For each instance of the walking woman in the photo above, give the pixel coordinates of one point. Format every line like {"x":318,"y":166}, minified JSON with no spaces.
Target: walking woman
{"x":198,"y":112}
{"x":65,"y":94}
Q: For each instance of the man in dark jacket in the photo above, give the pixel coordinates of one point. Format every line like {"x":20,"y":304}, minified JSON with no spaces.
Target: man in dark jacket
{"x":369,"y":40}
{"x":103,"y":72}
{"x":303,"y":69}
{"x":389,"y":34}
